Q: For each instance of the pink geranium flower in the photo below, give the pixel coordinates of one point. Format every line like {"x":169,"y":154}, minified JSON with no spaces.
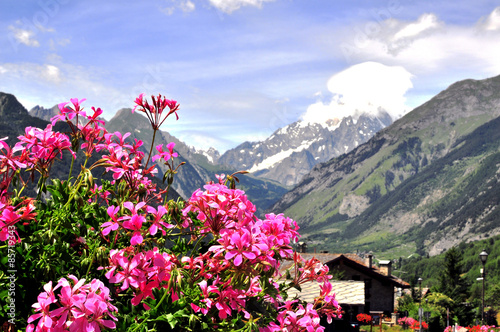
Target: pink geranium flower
{"x":165,"y":155}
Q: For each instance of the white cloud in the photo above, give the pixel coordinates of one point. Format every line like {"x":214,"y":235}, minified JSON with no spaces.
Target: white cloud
{"x":363,"y":88}
{"x":24,"y":36}
{"x":51,"y":73}
{"x":187,"y":6}
{"x":429,"y":46}
{"x":492,"y":22}
{"x":51,"y":83}
{"x":424,"y":22}
{"x":229,"y":6}
{"x":184,"y":5}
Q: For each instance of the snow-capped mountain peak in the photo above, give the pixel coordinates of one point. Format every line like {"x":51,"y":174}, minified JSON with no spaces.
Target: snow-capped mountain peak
{"x":291,"y":151}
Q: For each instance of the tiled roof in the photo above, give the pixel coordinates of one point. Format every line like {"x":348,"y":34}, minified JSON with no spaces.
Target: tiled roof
{"x":346,"y":291}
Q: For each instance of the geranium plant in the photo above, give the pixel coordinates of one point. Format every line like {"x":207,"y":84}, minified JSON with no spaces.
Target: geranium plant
{"x":115,"y":253}
{"x":364,"y":318}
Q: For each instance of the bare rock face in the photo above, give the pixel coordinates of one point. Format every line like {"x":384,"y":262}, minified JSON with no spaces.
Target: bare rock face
{"x":353,"y":205}
{"x":44,"y":113}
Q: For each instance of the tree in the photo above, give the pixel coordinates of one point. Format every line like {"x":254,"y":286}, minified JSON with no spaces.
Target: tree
{"x":454,"y":285}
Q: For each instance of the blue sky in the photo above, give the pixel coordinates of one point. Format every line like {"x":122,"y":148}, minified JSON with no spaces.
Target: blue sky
{"x":243,"y":68}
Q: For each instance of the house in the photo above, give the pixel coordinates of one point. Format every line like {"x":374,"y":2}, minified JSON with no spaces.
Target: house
{"x":378,"y":283}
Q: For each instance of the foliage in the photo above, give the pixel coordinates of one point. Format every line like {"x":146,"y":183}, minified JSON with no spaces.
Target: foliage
{"x":430,"y":269}
{"x":123,"y":257}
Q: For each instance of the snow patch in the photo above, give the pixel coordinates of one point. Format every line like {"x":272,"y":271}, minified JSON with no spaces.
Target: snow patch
{"x":278,"y":157}
{"x":331,"y":124}
{"x":209,"y":157}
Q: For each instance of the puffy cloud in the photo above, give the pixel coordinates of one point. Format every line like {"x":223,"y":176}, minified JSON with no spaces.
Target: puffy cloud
{"x":363,"y":88}
{"x":24,"y":36}
{"x":229,"y":6}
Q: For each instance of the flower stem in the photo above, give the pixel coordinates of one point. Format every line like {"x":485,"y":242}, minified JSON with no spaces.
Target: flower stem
{"x":167,"y":291}
{"x":71,"y":168}
{"x":78,"y":187}
{"x":151,"y":149}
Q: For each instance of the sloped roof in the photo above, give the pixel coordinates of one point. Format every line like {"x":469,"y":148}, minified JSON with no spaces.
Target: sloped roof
{"x":357,"y":263}
{"x":346,"y":291}
{"x":323,"y":258}
{"x":352,"y":260}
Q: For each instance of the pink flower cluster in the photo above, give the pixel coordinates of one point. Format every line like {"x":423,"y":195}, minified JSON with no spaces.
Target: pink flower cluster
{"x":230,"y":273}
{"x":123,"y":159}
{"x":10,"y":215}
{"x":135,"y":218}
{"x":78,"y":307}
{"x":10,"y":164}
{"x":155,"y":111}
{"x":407,"y":321}
{"x":239,"y":268}
{"x":244,"y":239}
{"x":87,"y":127}
{"x":142,"y":271}
{"x":297,"y":318}
{"x":41,"y":147}
{"x":477,"y":328}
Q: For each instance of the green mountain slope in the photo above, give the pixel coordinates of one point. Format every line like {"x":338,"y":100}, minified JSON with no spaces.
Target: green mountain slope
{"x":424,"y":183}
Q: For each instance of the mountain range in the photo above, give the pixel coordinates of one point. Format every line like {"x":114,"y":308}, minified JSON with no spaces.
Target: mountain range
{"x":275,"y":164}
{"x":292,"y":151}
{"x":423,"y":184}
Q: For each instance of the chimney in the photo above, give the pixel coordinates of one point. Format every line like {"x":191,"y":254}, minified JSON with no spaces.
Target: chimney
{"x":369,"y":260}
{"x":386,"y":267}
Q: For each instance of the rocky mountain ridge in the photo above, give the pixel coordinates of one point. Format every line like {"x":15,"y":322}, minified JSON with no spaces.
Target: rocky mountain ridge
{"x":292,"y":151}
